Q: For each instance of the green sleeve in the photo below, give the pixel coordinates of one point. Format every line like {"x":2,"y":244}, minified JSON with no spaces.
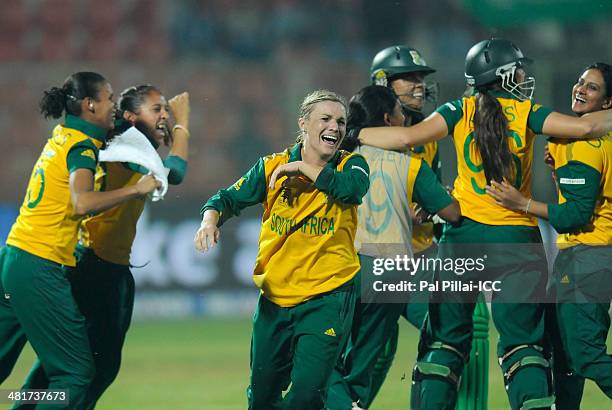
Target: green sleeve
{"x":451,"y":112}
{"x":428,"y":192}
{"x":579,"y":185}
{"x":248,"y":190}
{"x":178,"y":169}
{"x":136,"y":168}
{"x":349,"y":185}
{"x":537,"y":116}
{"x":82,"y":155}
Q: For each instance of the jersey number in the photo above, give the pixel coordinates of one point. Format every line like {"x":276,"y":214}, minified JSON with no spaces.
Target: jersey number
{"x":380,"y":177}
{"x":477,"y":168}
{"x":38,"y":173}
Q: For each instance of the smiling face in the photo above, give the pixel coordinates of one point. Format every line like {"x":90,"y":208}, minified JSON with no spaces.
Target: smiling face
{"x":152,"y":117}
{"x":589,"y":93}
{"x":323,"y":130}
{"x":410,"y":89}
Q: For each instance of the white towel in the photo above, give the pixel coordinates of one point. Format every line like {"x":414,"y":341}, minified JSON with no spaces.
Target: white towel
{"x":133,"y":146}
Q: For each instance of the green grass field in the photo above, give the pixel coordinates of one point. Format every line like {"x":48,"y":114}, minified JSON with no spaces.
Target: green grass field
{"x":204,"y":364}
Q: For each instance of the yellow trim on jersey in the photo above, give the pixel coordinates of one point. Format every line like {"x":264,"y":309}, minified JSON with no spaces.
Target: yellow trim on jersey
{"x":422,"y":235}
{"x":413,"y":171}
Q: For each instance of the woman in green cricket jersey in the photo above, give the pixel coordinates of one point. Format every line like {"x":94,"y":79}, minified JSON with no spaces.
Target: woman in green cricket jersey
{"x":37,"y":303}
{"x":307,"y":259}
{"x":397,"y":180}
{"x":102,"y":283}
{"x":493,"y":132}
{"x":583,"y":219}
{"x":404,"y":70}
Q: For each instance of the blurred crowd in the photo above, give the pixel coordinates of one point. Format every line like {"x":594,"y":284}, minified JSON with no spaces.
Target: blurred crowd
{"x":246,"y":64}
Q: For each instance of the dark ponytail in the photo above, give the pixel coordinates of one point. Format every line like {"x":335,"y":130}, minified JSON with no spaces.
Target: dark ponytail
{"x":491,"y":136}
{"x":367,"y":108}
{"x":78,"y":86}
{"x":53,"y":103}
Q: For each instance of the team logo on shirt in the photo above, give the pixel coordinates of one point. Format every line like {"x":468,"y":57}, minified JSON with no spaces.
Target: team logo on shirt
{"x":88,"y":153}
{"x":290,"y":189}
{"x":238,"y":184}
{"x":331,"y":332}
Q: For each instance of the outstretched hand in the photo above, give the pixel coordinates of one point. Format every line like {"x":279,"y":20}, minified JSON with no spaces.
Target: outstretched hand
{"x":507,"y":195}
{"x":207,"y":235}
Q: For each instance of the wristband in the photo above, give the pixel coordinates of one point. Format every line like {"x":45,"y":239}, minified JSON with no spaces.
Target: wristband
{"x":180,"y":127}
{"x":527,"y":206}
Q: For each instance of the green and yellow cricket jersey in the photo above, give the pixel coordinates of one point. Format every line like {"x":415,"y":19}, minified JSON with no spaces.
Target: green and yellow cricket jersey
{"x":525,"y":120}
{"x":583,"y":171}
{"x":396,"y":180}
{"x":306,"y":244}
{"x":46,"y":225}
{"x":110,"y":234}
{"x":422,"y":235}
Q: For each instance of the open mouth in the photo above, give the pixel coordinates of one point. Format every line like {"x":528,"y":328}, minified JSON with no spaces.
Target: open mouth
{"x":162,"y":128}
{"x":580,"y":99}
{"x":329,"y":139}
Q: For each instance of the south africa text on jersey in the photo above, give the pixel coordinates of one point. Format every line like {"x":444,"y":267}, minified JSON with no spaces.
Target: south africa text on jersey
{"x":310,"y":225}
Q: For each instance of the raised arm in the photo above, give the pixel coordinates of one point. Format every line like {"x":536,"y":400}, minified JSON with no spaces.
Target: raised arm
{"x":592,"y":125}
{"x":179,"y":106}
{"x":432,"y":128}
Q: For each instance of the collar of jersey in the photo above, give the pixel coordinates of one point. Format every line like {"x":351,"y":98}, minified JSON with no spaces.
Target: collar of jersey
{"x":295,"y":154}
{"x":87,"y":128}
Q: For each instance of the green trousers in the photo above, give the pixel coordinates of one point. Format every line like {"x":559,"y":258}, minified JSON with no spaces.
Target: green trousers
{"x":373,"y":325}
{"x":514,"y":256}
{"x":104,"y":293}
{"x":297,"y":346}
{"x":583,"y":292}
{"x":37,"y":305}
{"x":568,"y":386}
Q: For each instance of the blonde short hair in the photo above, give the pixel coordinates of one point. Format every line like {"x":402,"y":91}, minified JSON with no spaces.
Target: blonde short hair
{"x":311,"y":100}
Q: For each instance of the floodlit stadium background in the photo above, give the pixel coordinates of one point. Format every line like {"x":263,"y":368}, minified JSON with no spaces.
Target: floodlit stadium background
{"x":247,"y":64}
